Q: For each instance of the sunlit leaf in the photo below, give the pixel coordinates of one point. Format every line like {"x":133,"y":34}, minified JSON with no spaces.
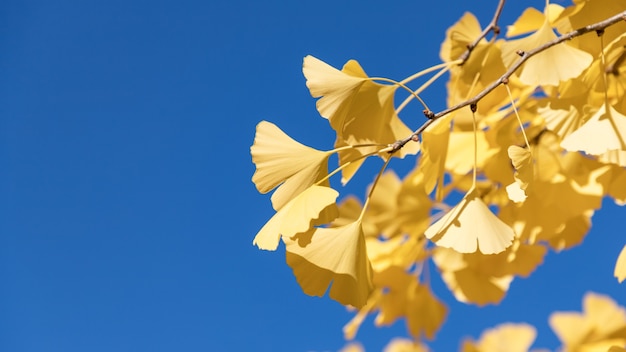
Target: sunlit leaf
{"x":610,"y":127}
{"x":405,"y":297}
{"x":549,"y":67}
{"x":620,"y":266}
{"x":471,"y":226}
{"x":462,"y":33}
{"x":405,"y":345}
{"x":336,"y":255}
{"x":601,"y":325}
{"x":507,"y":337}
{"x":297,"y":216}
{"x":471,"y":280}
{"x":359,"y":110}
{"x":280,"y":160}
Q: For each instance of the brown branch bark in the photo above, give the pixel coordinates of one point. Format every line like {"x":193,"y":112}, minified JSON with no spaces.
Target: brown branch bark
{"x":596,"y":27}
{"x":492,"y":26}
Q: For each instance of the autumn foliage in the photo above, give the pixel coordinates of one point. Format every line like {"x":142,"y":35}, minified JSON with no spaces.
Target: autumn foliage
{"x":532,"y":139}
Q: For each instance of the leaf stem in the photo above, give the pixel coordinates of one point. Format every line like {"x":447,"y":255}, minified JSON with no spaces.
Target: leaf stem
{"x":369,"y":195}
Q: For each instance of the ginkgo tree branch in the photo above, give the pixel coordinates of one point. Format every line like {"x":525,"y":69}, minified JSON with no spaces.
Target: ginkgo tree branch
{"x":492,"y":26}
{"x":598,"y":27}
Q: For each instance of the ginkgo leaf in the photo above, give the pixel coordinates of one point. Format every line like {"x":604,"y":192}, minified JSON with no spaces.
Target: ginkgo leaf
{"x":507,"y":337}
{"x":459,"y":36}
{"x":607,"y":124}
{"x":616,"y":187}
{"x":280,"y":160}
{"x":523,"y":162}
{"x":383,"y":205}
{"x":336,"y":255}
{"x":472,"y":278}
{"x":405,"y":345}
{"x":359,"y":110}
{"x":620,"y":266}
{"x":549,"y":67}
{"x":601,"y":325}
{"x":297,"y":216}
{"x":352,"y":347}
{"x":414,"y":205}
{"x":516,"y":193}
{"x":405,"y":297}
{"x":562,"y":116}
{"x":604,"y":314}
{"x":471,"y":226}
{"x":334,"y":88}
{"x":434,"y":150}
{"x":529,"y":21}
{"x":584,"y":13}
{"x":570,"y":327}
{"x":426,"y":313}
{"x":532,"y":19}
{"x":460,"y":158}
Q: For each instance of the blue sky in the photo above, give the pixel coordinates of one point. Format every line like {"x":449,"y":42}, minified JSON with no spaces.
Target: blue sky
{"x":127,"y":210}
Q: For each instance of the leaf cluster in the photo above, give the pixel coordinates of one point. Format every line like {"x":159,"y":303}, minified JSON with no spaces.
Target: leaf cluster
{"x":534,"y":137}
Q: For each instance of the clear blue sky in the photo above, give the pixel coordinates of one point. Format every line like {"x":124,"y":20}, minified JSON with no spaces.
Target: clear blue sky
{"x":126,"y":208}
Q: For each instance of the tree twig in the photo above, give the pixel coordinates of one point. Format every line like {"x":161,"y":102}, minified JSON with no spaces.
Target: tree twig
{"x":596,"y":27}
{"x":492,"y":26}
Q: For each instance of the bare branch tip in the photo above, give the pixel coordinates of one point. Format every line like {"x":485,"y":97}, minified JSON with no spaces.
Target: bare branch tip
{"x":429,"y":114}
{"x":394,"y":147}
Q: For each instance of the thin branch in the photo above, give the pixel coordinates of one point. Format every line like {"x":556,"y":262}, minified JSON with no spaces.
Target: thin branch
{"x":596,"y":27}
{"x":492,"y":26}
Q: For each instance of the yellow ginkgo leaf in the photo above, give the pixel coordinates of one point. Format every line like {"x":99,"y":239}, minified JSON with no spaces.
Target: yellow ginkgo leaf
{"x":462,"y":33}
{"x":609,"y":128}
{"x":460,"y":158}
{"x":515,"y":192}
{"x":605,"y":315}
{"x":298,"y":216}
{"x":601,"y":325}
{"x":584,"y":13}
{"x":471,"y":226}
{"x":507,"y":337}
{"x":532,"y":19}
{"x":523,"y":162}
{"x":405,"y":345}
{"x":426,"y":313}
{"x":352,"y":347}
{"x":620,"y":266}
{"x":414,"y":205}
{"x":563,"y":116}
{"x":471,"y":281}
{"x":549,"y":67}
{"x":434,"y":150}
{"x":570,"y":327}
{"x":334,"y":88}
{"x":405,"y":297}
{"x":383,"y":206}
{"x":616,"y":187}
{"x":359,"y":110}
{"x":617,"y":157}
{"x":336,"y":255}
{"x":529,"y":21}
{"x":280,"y":160}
